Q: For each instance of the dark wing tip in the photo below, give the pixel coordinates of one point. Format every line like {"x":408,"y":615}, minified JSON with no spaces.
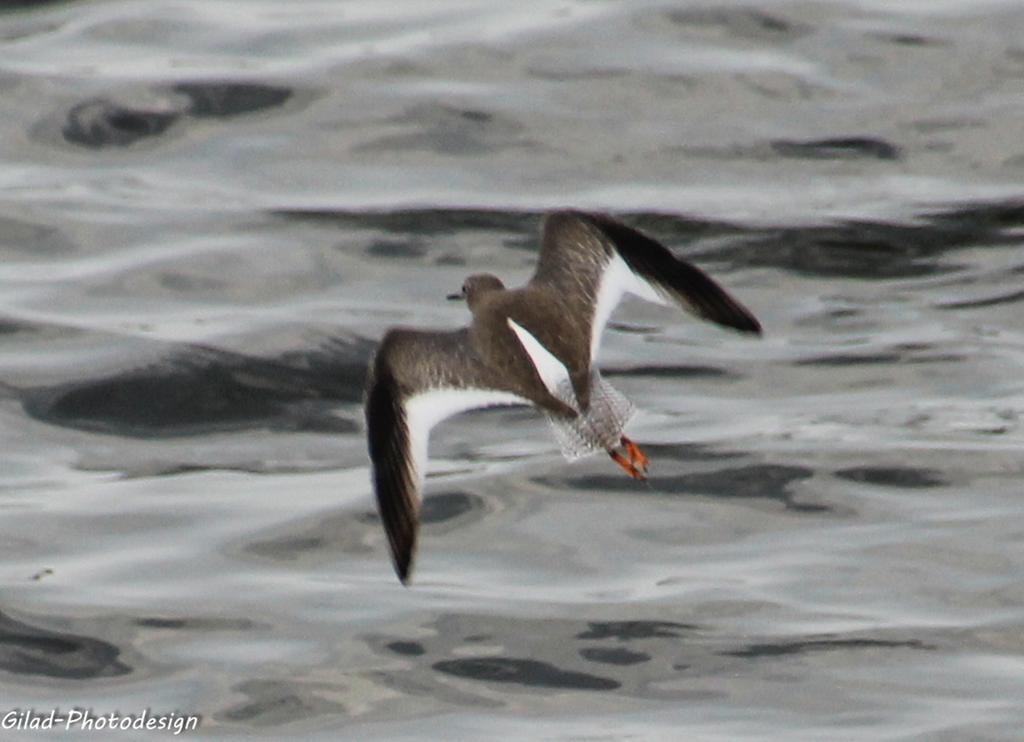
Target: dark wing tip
{"x":403,"y":565}
{"x":700,"y":292}
{"x":753,"y":327}
{"x":726,"y":311}
{"x":684,"y":282}
{"x":393,"y":479}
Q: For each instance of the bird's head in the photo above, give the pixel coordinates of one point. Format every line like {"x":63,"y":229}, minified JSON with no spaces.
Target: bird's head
{"x":476,"y":286}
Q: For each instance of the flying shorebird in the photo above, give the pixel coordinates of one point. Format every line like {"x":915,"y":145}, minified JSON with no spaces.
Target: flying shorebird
{"x":533,"y":345}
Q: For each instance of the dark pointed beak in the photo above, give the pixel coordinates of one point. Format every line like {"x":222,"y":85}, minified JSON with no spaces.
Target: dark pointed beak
{"x":455,"y":297}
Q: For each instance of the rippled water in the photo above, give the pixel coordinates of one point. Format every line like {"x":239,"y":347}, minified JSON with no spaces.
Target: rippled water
{"x":209,"y":213}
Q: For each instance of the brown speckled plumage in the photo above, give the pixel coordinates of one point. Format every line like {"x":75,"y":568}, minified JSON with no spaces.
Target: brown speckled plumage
{"x":557,"y":307}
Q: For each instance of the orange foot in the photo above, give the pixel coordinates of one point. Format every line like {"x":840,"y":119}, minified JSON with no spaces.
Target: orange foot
{"x":633,"y":462}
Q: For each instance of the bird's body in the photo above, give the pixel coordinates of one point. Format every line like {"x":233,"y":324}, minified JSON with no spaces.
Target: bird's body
{"x":531,"y":345}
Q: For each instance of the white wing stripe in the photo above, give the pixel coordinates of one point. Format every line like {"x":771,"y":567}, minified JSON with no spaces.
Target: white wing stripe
{"x":552,"y":371}
{"x":425,"y":410}
{"x":616,"y":280}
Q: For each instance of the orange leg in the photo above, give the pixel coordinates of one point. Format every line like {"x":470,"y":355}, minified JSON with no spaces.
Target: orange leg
{"x":636,"y":456}
{"x":634,"y":463}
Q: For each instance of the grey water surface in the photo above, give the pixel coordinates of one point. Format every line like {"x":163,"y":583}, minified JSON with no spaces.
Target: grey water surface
{"x":211,"y":211}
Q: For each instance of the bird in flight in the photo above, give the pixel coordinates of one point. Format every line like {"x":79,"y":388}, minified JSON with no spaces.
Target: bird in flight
{"x":533,"y":345}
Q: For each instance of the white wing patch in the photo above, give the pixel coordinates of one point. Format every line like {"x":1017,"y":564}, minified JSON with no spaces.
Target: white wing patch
{"x":618,"y":279}
{"x":425,"y":410}
{"x":552,"y":371}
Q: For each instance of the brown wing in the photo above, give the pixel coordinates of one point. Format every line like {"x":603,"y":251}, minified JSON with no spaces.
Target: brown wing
{"x":409,"y":366}
{"x":577,"y":247}
{"x":589,"y":260}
